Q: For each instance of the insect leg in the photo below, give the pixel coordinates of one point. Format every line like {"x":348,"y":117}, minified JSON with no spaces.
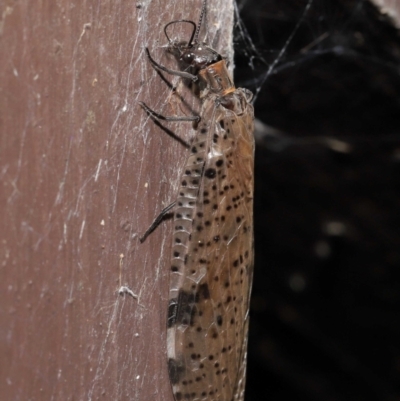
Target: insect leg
{"x":169,"y":118}
{"x":157,"y":222}
{"x":172,"y":72}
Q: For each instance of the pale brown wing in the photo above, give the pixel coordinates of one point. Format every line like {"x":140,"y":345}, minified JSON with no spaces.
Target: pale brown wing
{"x":211,"y":276}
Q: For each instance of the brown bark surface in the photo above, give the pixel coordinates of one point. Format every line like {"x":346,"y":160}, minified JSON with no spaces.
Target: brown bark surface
{"x":84,"y":172}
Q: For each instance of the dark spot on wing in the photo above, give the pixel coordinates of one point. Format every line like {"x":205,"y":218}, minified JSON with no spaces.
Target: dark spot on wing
{"x":210,"y":173}
{"x":175,"y":370}
{"x":204,"y":291}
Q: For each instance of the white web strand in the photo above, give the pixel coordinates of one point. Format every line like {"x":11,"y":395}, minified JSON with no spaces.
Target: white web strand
{"x":281,"y":53}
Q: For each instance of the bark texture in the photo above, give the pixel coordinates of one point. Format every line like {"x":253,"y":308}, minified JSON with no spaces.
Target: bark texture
{"x":84,"y":172}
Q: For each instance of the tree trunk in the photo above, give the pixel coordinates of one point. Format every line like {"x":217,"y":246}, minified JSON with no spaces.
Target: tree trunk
{"x":84,"y":172}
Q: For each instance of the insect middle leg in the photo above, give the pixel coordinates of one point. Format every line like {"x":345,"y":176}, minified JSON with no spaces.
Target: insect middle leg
{"x":168,"y":118}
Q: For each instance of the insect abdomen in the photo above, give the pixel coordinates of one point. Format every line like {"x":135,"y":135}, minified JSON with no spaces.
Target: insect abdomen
{"x":185,"y":209}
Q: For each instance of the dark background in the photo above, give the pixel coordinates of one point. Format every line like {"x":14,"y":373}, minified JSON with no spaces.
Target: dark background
{"x":325,"y":321}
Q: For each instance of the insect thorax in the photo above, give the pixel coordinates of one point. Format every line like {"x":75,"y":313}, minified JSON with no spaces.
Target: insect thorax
{"x":215,"y":78}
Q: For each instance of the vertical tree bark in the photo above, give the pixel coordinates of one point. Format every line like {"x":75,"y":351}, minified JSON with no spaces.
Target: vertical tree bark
{"x":84,"y":172}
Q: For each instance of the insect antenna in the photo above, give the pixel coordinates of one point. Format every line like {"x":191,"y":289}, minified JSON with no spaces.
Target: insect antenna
{"x":177,"y":21}
{"x":195,"y":38}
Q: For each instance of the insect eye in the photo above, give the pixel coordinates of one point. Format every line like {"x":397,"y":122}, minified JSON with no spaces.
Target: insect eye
{"x":188,"y":57}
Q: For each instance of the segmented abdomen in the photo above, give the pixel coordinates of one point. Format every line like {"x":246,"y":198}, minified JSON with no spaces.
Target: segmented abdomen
{"x":186,"y":205}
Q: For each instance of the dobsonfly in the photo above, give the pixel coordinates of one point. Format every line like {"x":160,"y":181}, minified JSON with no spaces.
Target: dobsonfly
{"x":212,"y":248}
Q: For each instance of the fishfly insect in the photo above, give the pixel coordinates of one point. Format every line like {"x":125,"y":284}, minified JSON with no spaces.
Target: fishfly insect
{"x":212,"y":249}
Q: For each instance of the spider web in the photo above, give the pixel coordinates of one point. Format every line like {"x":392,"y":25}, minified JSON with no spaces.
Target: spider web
{"x":326,"y":82}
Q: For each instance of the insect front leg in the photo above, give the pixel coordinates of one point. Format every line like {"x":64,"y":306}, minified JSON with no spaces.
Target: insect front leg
{"x":157,"y":66}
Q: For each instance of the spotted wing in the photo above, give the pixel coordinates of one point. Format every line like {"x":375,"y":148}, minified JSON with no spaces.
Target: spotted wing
{"x":213,"y":256}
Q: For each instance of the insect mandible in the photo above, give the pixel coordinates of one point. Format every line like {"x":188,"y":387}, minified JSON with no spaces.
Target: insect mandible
{"x":212,"y":247}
